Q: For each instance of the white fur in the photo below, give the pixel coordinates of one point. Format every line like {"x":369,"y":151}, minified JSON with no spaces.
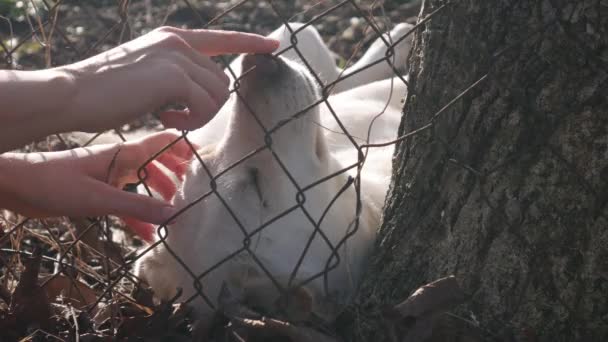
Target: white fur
{"x":309,"y":148}
{"x":320,"y":59}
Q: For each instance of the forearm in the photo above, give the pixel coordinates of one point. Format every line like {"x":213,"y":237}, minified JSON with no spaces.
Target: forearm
{"x":9,"y":184}
{"x":33,"y":105}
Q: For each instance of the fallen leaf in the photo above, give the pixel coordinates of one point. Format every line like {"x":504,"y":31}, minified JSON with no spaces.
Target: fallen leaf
{"x":29,"y":303}
{"x":74,"y":292}
{"x":413,"y":320}
{"x":166,"y":317}
{"x":268,"y":328}
{"x":297,"y":304}
{"x":88,"y":233}
{"x":5,"y":294}
{"x":431,"y":298}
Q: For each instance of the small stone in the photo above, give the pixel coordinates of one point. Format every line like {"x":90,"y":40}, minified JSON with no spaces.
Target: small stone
{"x":349,"y":33}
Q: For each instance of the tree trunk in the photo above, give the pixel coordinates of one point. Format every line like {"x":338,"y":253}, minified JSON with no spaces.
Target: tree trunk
{"x":507,"y":189}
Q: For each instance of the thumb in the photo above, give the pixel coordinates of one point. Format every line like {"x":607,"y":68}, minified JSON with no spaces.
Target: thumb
{"x":144,"y":230}
{"x":111,"y":200}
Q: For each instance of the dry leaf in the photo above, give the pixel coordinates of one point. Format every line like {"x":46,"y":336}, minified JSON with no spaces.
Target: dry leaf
{"x":431,"y":298}
{"x":88,"y":233}
{"x":266,"y":328}
{"x":165,"y":319}
{"x":413,"y":320}
{"x":297,"y":304}
{"x":74,"y":292}
{"x":29,"y":304}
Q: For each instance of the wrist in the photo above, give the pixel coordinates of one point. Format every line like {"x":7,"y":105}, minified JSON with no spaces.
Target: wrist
{"x":54,"y":90}
{"x":33,"y":105}
{"x":8,"y":186}
{"x":63,"y":88}
{"x":50,"y":88}
{"x":76,"y":110}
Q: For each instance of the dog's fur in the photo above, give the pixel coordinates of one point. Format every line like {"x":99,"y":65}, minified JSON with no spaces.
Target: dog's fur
{"x":263,"y":186}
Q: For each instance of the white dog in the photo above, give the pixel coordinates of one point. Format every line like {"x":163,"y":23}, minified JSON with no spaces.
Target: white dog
{"x":261,"y":188}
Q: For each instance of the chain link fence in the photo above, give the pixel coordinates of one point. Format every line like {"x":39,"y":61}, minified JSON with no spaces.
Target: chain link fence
{"x":88,"y":263}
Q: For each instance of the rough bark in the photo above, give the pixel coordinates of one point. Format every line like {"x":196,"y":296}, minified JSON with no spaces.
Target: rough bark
{"x":508,"y":189}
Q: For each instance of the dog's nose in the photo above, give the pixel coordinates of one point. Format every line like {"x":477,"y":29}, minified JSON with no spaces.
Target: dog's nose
{"x":265,"y":64}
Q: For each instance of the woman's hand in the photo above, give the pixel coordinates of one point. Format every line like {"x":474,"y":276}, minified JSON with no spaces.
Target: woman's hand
{"x":166,"y":66}
{"x":88,"y":181}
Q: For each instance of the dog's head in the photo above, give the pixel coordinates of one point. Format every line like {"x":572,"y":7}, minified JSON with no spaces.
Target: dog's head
{"x":275,"y":104}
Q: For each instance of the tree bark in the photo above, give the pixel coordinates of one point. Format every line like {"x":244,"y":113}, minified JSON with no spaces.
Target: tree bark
{"x":507,"y":189}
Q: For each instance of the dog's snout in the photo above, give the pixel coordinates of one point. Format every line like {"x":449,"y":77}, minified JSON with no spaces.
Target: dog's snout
{"x":265,"y":64}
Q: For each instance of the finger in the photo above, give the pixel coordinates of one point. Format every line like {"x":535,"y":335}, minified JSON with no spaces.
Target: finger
{"x":202,"y":61}
{"x":111,"y":200}
{"x":177,"y":157}
{"x":175,"y":118}
{"x":201,"y":109}
{"x":119,"y":165}
{"x":184,"y":149}
{"x":216,"y":42}
{"x":159,"y":141}
{"x":25,"y":208}
{"x":176,"y":44}
{"x":136,"y":152}
{"x":176,"y":165}
{"x":179,"y":148}
{"x":144,"y":230}
{"x":160,"y":182}
{"x":216,"y":86}
{"x":208,"y":64}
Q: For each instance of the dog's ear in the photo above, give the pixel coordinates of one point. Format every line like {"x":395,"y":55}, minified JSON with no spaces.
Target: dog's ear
{"x":321,"y":149}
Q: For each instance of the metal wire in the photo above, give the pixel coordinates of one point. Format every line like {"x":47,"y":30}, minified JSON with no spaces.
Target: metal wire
{"x":115,"y":272}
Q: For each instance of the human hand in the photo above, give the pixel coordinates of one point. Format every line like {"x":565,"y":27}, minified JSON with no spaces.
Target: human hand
{"x":166,"y":66}
{"x":88,"y":181}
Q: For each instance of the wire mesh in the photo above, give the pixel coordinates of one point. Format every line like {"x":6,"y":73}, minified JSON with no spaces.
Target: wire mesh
{"x":45,"y":33}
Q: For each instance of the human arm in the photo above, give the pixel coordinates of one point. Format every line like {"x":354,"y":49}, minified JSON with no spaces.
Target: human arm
{"x":88,"y":181}
{"x":165,"y":66}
